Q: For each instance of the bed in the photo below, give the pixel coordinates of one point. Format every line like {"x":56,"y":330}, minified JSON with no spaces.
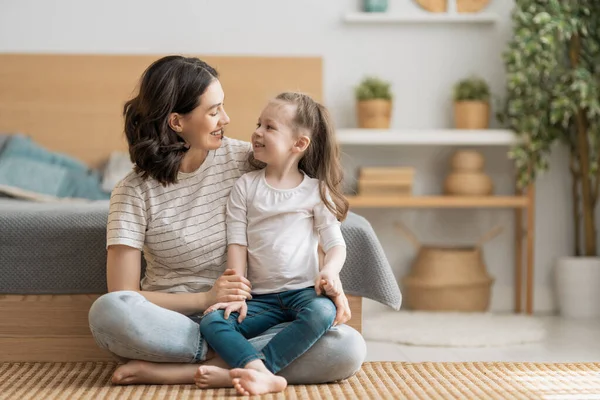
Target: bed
{"x":52,"y":254}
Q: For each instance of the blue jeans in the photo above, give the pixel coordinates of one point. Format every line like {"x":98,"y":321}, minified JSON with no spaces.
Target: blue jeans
{"x":310,"y":316}
{"x":132,"y":328}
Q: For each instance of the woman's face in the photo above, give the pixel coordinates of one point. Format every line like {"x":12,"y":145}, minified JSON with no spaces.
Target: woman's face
{"x":202,"y":128}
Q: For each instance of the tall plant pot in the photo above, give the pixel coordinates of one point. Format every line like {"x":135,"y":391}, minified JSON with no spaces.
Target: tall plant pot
{"x":374,"y":114}
{"x":577,"y":283}
{"x":471,"y":115}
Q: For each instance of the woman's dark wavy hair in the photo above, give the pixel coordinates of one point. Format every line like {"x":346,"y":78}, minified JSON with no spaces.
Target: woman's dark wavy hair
{"x":170,"y":84}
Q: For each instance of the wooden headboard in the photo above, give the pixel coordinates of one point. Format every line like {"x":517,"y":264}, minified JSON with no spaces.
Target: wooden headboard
{"x":73,"y":103}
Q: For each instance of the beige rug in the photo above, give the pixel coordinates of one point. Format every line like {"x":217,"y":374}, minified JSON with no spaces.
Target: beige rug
{"x":376,"y":380}
{"x":453,"y":329}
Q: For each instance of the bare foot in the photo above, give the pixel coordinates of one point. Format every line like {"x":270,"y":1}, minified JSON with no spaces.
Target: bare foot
{"x":144,"y":372}
{"x":209,"y":376}
{"x":250,"y":382}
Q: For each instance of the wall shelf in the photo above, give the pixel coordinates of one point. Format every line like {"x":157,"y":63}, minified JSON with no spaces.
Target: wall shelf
{"x":427,"y":137}
{"x":523,"y":204}
{"x":421,"y":18}
{"x":437,"y":202}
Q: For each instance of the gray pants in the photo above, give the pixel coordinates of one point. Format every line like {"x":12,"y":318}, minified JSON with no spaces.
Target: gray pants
{"x":131,"y":327}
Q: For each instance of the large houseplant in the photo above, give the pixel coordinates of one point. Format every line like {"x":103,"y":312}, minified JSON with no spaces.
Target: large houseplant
{"x":553,"y":75}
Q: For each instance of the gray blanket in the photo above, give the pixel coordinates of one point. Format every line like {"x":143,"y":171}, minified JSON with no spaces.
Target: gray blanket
{"x":59,"y":248}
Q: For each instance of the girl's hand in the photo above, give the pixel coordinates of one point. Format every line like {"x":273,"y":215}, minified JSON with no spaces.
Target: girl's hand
{"x":343,"y":309}
{"x":328,"y":284}
{"x":230,"y":287}
{"x":237,"y":306}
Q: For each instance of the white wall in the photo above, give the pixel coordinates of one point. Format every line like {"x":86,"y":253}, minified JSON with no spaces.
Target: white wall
{"x":421,"y":60}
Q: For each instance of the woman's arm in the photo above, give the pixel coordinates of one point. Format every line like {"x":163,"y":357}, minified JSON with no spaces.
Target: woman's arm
{"x":123,"y":271}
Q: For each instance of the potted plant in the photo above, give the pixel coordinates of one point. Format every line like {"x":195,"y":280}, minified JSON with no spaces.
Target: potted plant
{"x":373,"y":103}
{"x":472,"y":104}
{"x":553,"y":96}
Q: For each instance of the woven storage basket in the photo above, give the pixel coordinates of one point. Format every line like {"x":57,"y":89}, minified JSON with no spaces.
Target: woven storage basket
{"x":448,"y":278}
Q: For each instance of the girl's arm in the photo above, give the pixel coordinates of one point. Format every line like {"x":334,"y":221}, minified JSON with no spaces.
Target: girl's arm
{"x":237,"y":224}
{"x":334,"y":260}
{"x":329,"y":276}
{"x":344,"y":313}
{"x":237,"y":256}
{"x":334,"y":247}
{"x":124,"y":270}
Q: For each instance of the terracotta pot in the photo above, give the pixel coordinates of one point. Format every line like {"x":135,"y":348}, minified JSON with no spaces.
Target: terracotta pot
{"x":374,"y":114}
{"x":468,"y":184}
{"x":471,"y":115}
{"x":470,"y":6}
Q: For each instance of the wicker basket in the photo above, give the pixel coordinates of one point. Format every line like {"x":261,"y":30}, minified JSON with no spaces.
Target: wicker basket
{"x":448,"y":278}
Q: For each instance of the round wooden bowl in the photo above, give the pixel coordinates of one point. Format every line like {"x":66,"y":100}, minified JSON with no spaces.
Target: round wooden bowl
{"x":434,"y":5}
{"x":468,"y":184}
{"x":470,"y":6}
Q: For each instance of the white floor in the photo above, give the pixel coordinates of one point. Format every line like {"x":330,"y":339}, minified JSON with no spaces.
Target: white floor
{"x":566,"y":341}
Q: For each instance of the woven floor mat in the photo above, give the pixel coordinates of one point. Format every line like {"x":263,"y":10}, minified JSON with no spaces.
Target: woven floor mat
{"x":376,"y":380}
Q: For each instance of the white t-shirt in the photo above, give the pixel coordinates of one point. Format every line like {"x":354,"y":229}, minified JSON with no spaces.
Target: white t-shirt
{"x":282,"y":229}
{"x":181,"y":227}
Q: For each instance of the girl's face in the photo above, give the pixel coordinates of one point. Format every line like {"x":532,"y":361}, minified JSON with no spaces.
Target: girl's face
{"x":274,"y":138}
{"x":202,"y":128}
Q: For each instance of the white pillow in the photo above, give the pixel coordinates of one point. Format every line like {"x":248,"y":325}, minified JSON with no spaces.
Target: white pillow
{"x":119,"y":165}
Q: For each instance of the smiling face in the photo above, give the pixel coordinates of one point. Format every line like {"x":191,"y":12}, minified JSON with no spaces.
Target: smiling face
{"x":274,"y":140}
{"x":202,"y":128}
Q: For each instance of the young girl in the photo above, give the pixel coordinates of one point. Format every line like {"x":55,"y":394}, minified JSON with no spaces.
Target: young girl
{"x":276,"y":219}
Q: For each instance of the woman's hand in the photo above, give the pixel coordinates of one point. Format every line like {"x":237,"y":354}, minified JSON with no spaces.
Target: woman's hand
{"x":230,"y":287}
{"x":237,"y":306}
{"x":343,"y":309}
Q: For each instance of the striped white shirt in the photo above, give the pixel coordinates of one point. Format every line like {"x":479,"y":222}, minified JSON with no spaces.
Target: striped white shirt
{"x":181,"y":227}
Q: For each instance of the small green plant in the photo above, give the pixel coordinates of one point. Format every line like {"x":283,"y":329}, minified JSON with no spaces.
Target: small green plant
{"x":373,"y":88}
{"x":472,"y":89}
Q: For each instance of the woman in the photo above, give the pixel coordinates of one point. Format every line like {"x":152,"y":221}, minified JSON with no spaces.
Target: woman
{"x":172,"y":207}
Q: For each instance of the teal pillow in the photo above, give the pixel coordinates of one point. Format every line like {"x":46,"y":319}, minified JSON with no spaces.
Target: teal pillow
{"x":31,"y":168}
{"x":22,"y":146}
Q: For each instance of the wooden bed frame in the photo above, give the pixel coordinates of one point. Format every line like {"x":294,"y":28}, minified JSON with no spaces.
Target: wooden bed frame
{"x":72,"y":104}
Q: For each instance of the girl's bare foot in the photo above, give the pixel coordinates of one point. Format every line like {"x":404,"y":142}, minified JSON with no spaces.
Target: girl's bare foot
{"x":251,"y":382}
{"x":145,"y":372}
{"x":209,"y":376}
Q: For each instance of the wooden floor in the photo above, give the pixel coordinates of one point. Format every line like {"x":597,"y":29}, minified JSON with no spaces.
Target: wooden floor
{"x":55,"y":328}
